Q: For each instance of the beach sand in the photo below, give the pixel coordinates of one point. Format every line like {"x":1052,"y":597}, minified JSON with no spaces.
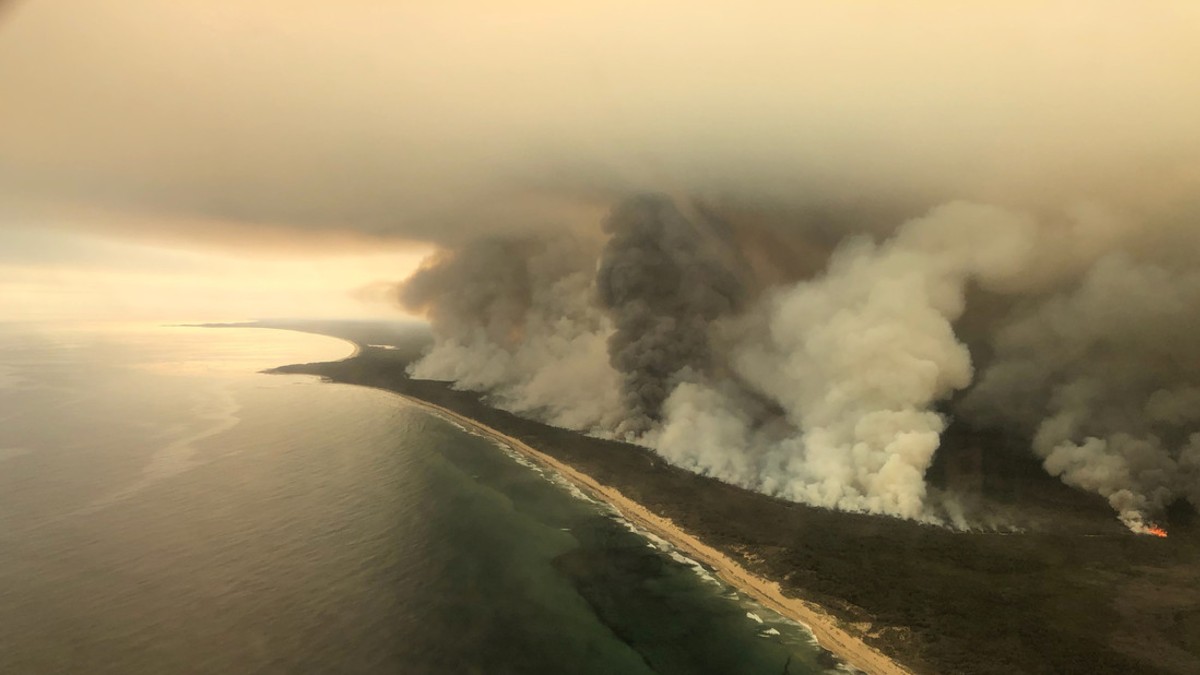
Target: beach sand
{"x":886,"y":595}
{"x":827,"y":630}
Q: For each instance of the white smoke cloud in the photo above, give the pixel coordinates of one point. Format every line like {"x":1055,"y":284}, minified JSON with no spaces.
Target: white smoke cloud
{"x":856,"y":359}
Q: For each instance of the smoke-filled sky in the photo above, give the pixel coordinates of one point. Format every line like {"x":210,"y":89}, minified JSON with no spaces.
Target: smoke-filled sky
{"x":255,"y":124}
{"x":782,"y":242}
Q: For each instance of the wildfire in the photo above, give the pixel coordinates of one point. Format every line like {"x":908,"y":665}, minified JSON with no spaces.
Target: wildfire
{"x":1138,"y":524}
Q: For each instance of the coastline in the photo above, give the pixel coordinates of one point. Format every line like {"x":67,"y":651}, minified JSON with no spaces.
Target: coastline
{"x":825,"y":628}
{"x":921,"y":599}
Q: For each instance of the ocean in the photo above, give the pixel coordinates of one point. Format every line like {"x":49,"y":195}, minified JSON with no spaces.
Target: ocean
{"x":166,"y":508}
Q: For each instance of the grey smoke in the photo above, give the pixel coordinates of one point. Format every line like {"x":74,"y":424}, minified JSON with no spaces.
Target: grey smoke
{"x":821,"y":373}
{"x":512,"y":317}
{"x":1105,"y":375}
{"x":830,"y":389}
{"x":662,"y":285}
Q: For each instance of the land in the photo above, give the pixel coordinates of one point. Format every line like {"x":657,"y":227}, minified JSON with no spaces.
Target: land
{"x":1071,"y":592}
{"x":824,"y":627}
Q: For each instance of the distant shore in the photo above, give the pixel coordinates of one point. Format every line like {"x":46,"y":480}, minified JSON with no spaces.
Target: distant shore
{"x":827,"y":630}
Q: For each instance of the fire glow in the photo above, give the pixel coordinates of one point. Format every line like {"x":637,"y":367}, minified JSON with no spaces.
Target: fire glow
{"x":1156,"y":531}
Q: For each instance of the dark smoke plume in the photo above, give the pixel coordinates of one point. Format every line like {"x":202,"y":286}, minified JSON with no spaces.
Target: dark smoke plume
{"x":662,"y":285}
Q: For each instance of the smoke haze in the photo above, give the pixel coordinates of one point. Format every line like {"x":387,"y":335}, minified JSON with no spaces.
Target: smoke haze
{"x":445,"y":121}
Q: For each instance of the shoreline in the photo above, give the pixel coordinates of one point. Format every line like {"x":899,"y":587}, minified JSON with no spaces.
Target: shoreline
{"x":919,"y":599}
{"x":826,"y":629}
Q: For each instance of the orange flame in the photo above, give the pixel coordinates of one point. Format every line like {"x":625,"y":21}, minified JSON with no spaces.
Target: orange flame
{"x":1156,"y":531}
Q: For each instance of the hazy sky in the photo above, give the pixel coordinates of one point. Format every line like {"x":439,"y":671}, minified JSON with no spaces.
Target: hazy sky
{"x":270,"y":157}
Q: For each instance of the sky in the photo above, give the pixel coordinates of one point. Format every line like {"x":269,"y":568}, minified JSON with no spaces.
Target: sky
{"x":244,"y":158}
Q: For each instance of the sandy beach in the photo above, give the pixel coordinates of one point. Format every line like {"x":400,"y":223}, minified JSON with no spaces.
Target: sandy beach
{"x":885,"y":595}
{"x":827,"y":630}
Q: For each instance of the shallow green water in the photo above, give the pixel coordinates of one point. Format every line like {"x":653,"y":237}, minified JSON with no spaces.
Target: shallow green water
{"x":165,"y":509}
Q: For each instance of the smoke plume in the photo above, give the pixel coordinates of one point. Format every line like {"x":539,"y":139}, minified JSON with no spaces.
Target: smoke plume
{"x":662,"y":286}
{"x":887,"y":220}
{"x":513,"y":317}
{"x":1104,"y":374}
{"x":856,"y":360}
{"x":833,"y":390}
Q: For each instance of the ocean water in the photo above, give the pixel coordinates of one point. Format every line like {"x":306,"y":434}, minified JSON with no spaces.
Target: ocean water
{"x":165,"y":508}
